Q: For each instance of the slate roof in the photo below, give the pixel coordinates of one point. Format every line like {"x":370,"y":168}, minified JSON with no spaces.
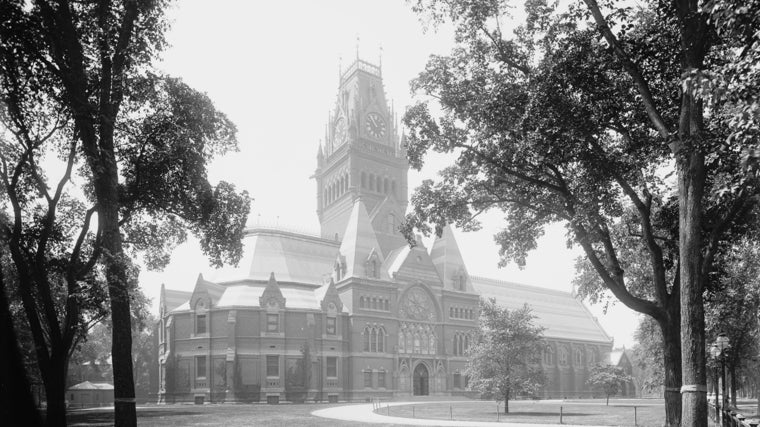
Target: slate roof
{"x":293,"y":257}
{"x":563,"y":316}
{"x":359,"y":241}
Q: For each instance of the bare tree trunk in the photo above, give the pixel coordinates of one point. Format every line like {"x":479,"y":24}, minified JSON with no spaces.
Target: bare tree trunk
{"x":732,"y":372}
{"x":672,"y":367}
{"x":506,"y":402}
{"x":118,"y":288}
{"x":55,"y":391}
{"x":15,"y":390}
{"x":690,"y":189}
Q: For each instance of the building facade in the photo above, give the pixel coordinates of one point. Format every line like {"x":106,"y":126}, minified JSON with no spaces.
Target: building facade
{"x":352,"y":312}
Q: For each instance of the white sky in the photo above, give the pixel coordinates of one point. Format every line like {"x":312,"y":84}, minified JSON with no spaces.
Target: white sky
{"x":272,"y":67}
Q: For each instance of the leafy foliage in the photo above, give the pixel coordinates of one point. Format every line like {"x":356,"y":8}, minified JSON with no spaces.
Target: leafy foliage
{"x":502,"y":363}
{"x":610,"y":379}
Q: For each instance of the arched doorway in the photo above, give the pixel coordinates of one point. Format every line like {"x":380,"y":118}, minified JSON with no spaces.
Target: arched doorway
{"x":421,"y":377}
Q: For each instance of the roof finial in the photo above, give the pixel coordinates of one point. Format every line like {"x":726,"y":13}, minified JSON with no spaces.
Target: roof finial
{"x":340,"y":67}
{"x":357,"y":46}
{"x":381,"y":60}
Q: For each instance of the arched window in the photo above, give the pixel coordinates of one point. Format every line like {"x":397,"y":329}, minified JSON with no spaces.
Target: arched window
{"x":371,"y":182}
{"x":432,"y":344}
{"x":393,"y":187}
{"x":451,"y":311}
{"x":591,"y":357}
{"x":366,"y":339}
{"x":385,"y":186}
{"x":563,"y":356}
{"x":466,"y":343}
{"x":416,"y":343}
{"x":549,"y":355}
{"x":373,"y":340}
{"x":391,"y":223}
{"x":381,"y":340}
{"x":578,"y":357}
{"x":374,"y":303}
{"x":387,"y":305}
{"x":361,"y":302}
{"x":364,"y":180}
{"x":409,"y":342}
{"x":424,"y":345}
{"x":401,"y":342}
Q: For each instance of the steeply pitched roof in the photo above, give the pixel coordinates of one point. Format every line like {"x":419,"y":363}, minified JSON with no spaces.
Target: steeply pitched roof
{"x":412,"y":264}
{"x":174,"y":298}
{"x":359,"y":241}
{"x":293,"y":257}
{"x":448,"y":259}
{"x":563,"y":316}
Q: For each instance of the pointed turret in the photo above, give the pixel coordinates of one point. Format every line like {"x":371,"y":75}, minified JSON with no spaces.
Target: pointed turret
{"x":449,"y":263}
{"x":272,"y":295}
{"x":362,"y":253}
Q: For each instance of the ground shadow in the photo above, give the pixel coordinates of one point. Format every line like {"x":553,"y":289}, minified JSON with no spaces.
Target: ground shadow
{"x":98,"y":418}
{"x":544,"y":414}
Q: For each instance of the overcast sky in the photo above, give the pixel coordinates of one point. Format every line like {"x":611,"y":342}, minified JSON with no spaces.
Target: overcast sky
{"x":272,"y":67}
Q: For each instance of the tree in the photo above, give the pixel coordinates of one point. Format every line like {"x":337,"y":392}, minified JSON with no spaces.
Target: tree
{"x":609,"y":378}
{"x":140,"y":141}
{"x":587,"y":116}
{"x":732,"y":306}
{"x":503,"y":363}
{"x":648,"y":355}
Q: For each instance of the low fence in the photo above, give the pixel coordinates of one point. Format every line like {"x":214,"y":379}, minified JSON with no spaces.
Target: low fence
{"x":729,"y":417}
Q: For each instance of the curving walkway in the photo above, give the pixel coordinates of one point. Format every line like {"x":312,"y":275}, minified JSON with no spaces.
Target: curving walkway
{"x":365,"y":414}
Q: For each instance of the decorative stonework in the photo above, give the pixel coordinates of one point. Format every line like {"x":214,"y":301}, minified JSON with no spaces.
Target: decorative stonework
{"x":417,"y":305}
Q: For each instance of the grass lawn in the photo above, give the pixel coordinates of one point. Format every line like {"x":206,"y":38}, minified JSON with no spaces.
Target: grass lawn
{"x":217,"y":415}
{"x":588,"y":412}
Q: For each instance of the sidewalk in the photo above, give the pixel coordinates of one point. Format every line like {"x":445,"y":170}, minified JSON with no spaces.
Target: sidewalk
{"x":365,"y":414}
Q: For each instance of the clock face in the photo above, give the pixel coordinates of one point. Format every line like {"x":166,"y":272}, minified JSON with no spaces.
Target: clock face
{"x":340,"y":132}
{"x":375,"y":125}
{"x":418,"y":305}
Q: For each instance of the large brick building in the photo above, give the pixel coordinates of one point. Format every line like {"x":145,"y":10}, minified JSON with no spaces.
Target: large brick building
{"x":352,"y":312}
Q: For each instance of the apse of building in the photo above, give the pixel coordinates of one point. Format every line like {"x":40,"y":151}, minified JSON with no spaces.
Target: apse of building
{"x":353,"y":312}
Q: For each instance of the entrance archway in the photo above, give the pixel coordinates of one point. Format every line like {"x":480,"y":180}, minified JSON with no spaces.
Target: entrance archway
{"x":421,"y":378}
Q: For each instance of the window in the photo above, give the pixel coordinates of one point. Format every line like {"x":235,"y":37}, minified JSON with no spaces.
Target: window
{"x":330,"y":326}
{"x":549,"y":355}
{"x":381,"y":379}
{"x":273,"y":322}
{"x":401,"y":342}
{"x":368,"y":379}
{"x":200,"y":324}
{"x":373,"y":340}
{"x":391,"y":223}
{"x":366,"y":339}
{"x":591,"y":357}
{"x":364,"y":180}
{"x":361,"y":302}
{"x":563,"y":356}
{"x":200,"y":366}
{"x":457,"y":380}
{"x":578,"y":357}
{"x":381,"y":340}
{"x":273,"y":366}
{"x":332,"y":367}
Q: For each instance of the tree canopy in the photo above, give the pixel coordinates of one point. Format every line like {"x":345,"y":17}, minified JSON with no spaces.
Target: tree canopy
{"x":502,"y":362}
{"x":592,"y":115}
{"x":611,"y":379}
{"x":77,"y":82}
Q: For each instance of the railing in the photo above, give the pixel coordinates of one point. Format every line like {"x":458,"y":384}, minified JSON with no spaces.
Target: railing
{"x":729,"y":417}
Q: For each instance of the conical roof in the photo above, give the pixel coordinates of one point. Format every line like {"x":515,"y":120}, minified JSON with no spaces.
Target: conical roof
{"x":448,"y":260}
{"x":360,"y":244}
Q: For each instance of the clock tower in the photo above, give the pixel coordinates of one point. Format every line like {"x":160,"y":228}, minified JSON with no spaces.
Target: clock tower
{"x":362,"y":157}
